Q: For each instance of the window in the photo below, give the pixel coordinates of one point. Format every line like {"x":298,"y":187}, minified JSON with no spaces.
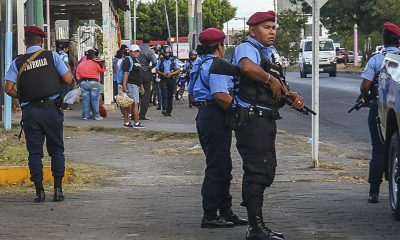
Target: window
{"x":323,"y":46}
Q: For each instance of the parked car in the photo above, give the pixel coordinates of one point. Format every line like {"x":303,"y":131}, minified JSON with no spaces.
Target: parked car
{"x":388,"y":125}
{"x":351,"y":57}
{"x":342,"y":55}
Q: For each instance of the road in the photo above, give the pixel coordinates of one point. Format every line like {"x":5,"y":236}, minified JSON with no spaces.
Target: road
{"x":337,"y":96}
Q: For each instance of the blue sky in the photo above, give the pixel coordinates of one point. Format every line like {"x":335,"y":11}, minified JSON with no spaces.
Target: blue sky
{"x":245,"y":8}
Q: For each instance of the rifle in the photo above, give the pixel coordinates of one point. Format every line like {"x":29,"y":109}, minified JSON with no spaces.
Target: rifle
{"x":362,"y":101}
{"x":223,"y":67}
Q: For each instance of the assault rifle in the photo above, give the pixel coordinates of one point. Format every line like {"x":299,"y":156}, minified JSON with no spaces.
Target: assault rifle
{"x":223,"y":67}
{"x":362,"y":102}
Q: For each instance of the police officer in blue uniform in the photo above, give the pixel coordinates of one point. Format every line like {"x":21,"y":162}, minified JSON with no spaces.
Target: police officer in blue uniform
{"x":257,"y":101}
{"x":38,"y":76}
{"x":211,"y":94}
{"x":188,"y":67}
{"x":369,"y":91}
{"x":168,"y":70}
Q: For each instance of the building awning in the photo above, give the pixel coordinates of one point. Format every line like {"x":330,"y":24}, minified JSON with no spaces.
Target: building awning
{"x":84,"y":10}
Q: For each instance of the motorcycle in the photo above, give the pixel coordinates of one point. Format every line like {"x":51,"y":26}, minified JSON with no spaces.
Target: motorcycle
{"x":181,"y":81}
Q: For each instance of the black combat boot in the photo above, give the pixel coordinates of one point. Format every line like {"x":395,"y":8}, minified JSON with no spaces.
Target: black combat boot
{"x":267,"y":229}
{"x":212,"y":220}
{"x":40,"y":196}
{"x":257,"y":231}
{"x":229,"y":216}
{"x":373,"y":193}
{"x":58,"y":193}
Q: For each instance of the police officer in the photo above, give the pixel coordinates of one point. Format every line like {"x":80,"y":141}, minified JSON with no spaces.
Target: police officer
{"x":167,"y":69}
{"x":148,"y":61}
{"x":188,"y":67}
{"x":256,"y":109}
{"x":38,"y":76}
{"x":211,"y":96}
{"x":64,"y":56}
{"x":369,"y":89}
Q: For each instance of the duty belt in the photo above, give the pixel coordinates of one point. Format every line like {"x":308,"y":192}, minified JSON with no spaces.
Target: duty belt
{"x":244,"y":114}
{"x":204,"y":103}
{"x":43,"y":103}
{"x":260,"y":112}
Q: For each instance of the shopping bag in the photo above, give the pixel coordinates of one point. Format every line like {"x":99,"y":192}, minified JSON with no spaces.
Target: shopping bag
{"x":72,"y":96}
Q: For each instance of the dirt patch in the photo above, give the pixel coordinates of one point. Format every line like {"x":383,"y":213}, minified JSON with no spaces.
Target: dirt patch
{"x":78,"y":175}
{"x":148,"y":135}
{"x":349,"y":68}
{"x":178,"y":151}
{"x":331,"y":166}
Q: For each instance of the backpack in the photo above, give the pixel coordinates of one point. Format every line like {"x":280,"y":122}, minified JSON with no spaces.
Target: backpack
{"x":120,"y":73}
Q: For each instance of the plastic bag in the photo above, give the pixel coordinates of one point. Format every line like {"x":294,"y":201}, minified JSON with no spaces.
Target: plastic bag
{"x":72,"y":96}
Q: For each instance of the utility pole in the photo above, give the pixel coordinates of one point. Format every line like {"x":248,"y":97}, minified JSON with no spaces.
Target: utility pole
{"x":355,"y":58}
{"x":167,"y":19}
{"x":48,"y":24}
{"x":134,"y":21}
{"x":128,"y":23}
{"x":316,"y":5}
{"x":7,"y":61}
{"x":199,"y":19}
{"x":227,"y":33}
{"x":190,"y":22}
{"x":177,"y":28}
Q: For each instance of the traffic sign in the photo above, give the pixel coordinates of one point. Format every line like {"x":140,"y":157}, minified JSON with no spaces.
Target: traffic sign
{"x":319,"y":2}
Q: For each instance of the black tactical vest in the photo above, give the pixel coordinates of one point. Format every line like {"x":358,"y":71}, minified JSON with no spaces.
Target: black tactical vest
{"x":40,"y":79}
{"x":172,"y":67}
{"x":257,"y":93}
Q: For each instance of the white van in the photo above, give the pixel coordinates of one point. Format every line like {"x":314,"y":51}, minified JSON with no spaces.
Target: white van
{"x":327,"y":57}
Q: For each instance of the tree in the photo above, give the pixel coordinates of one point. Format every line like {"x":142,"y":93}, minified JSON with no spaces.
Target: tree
{"x":289,"y":32}
{"x":216,"y":12}
{"x":340,"y":16}
{"x":151,"y":17}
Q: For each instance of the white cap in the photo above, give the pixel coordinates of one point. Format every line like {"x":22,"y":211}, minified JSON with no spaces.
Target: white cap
{"x":134,"y":47}
{"x":88,"y":48}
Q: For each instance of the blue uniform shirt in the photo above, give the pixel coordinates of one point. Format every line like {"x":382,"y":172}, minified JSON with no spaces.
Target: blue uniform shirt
{"x":167,"y":65}
{"x":188,"y":63}
{"x":375,"y":64}
{"x":12,"y":72}
{"x":64,"y":57}
{"x":246,"y":50}
{"x":217,"y":83}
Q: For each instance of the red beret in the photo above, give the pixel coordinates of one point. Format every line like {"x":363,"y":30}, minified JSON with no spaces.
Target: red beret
{"x":211,"y":36}
{"x":392,"y":28}
{"x":260,"y":17}
{"x":35,"y":30}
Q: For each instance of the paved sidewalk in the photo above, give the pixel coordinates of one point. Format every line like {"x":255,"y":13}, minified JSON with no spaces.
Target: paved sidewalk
{"x":156,"y":191}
